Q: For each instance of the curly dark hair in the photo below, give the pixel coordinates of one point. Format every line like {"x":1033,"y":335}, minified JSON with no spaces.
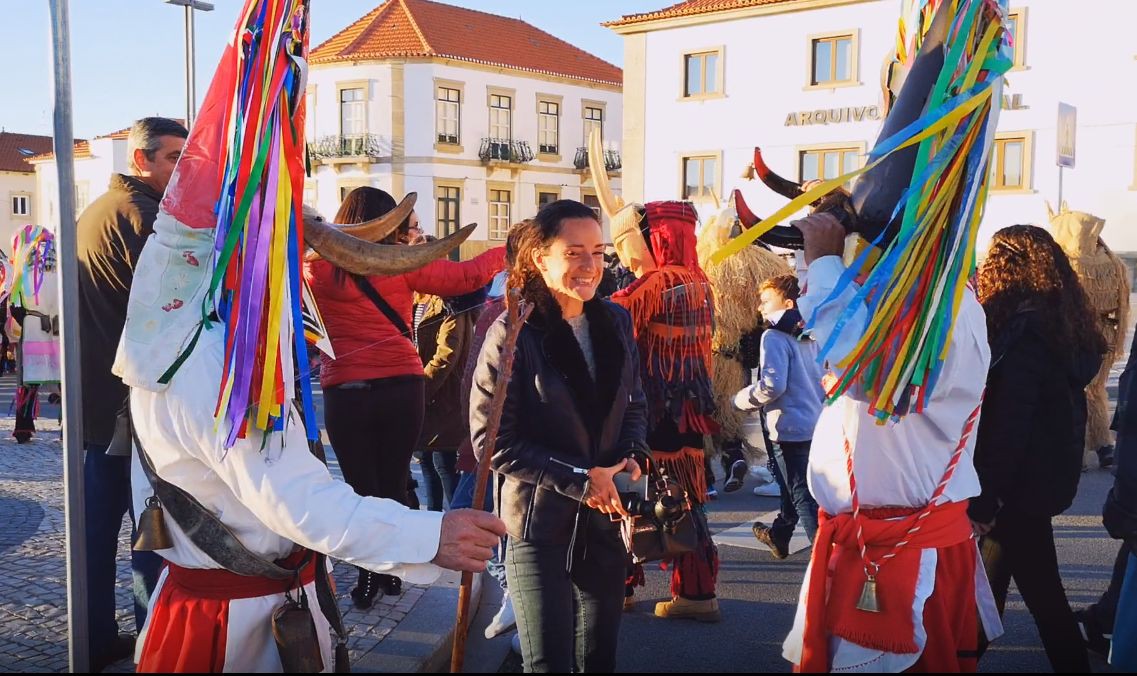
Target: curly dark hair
{"x":1026,"y":269}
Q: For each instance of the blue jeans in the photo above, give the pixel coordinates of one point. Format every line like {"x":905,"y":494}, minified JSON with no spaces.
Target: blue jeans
{"x":463,"y":499}
{"x":791,"y":462}
{"x":439,"y":470}
{"x":568,"y":623}
{"x":107,"y":498}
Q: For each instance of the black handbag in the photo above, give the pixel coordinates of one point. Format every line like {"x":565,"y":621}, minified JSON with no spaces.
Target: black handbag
{"x":665,"y":524}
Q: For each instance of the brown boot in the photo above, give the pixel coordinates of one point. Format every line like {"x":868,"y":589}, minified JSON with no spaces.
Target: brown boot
{"x":706,"y":610}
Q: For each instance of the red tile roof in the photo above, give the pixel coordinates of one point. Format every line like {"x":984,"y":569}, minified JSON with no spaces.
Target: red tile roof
{"x":689,"y":8}
{"x":17,"y":149}
{"x":83,"y":147}
{"x":421,"y":28}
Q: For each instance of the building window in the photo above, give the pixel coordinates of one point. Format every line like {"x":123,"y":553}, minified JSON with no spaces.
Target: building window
{"x":499,"y":213}
{"x":1011,"y":162}
{"x":82,"y":196}
{"x":449,"y":115}
{"x":593,"y":119}
{"x":544,"y":197}
{"x":501,"y":117}
{"x":548,"y":126}
{"x":701,"y":74}
{"x":1016,"y":23}
{"x":352,"y":112}
{"x":448,"y":200}
{"x":827,"y":163}
{"x":833,"y":58}
{"x":699,"y":177}
{"x":592,"y":202}
{"x":21,"y":205}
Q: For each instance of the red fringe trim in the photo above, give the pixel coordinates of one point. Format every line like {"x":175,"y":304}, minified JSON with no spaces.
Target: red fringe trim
{"x":686,"y":467}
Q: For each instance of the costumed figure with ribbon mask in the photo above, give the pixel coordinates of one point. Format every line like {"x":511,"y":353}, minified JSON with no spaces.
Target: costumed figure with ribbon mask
{"x":34,"y":304}
{"x":894,"y":581}
{"x":735,"y":343}
{"x":1106,"y":281}
{"x":672,"y":308}
{"x":226,"y":456}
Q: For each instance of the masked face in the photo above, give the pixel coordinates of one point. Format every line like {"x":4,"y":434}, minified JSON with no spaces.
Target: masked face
{"x":629,"y":241}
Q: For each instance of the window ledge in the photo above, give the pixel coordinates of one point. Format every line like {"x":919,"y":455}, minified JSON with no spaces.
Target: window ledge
{"x":701,"y":97}
{"x":1013,"y":191}
{"x":548,"y":157}
{"x":832,"y":85}
{"x":449,"y":148}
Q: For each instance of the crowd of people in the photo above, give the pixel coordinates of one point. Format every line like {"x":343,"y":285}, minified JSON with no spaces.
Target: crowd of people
{"x":613,"y":375}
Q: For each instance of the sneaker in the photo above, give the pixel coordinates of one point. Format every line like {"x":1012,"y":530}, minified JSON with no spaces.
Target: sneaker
{"x":1105,"y":457}
{"x":762,"y":474}
{"x":712,"y":494}
{"x":738,"y":471}
{"x":515,"y":644}
{"x":1096,"y":640}
{"x":769,"y":490}
{"x":705,"y":610}
{"x":505,"y":619}
{"x":779,"y":545}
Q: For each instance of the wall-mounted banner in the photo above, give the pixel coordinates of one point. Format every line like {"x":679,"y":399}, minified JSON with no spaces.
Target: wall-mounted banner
{"x":832,"y":116}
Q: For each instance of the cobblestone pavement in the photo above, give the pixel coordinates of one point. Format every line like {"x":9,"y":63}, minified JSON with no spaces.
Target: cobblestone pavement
{"x":33,"y":593}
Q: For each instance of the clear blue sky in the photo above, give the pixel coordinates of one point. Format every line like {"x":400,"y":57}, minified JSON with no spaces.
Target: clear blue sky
{"x":128,"y":56}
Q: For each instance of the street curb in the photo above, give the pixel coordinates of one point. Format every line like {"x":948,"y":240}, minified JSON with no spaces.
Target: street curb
{"x":422,"y":641}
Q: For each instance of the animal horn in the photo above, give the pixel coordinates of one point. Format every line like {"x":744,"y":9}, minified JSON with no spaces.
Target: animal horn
{"x":360,"y":257}
{"x":609,"y":203}
{"x":784,"y":187}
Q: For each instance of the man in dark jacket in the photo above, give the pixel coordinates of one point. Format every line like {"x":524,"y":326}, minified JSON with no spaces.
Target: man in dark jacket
{"x":111,"y":233}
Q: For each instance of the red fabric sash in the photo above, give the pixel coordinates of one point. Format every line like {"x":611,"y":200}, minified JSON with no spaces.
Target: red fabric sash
{"x":189,"y":621}
{"x":835,"y":613}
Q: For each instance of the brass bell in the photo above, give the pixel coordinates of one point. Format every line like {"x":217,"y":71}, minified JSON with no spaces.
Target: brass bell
{"x":152,"y":532}
{"x":749,"y":174}
{"x":868,"y":601}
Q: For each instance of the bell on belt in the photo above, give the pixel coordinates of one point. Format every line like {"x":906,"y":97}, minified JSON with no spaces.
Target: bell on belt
{"x":152,"y":532}
{"x":868,"y":602}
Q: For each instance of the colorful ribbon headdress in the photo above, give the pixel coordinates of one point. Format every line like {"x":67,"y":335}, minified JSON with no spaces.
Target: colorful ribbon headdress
{"x":920,"y":199}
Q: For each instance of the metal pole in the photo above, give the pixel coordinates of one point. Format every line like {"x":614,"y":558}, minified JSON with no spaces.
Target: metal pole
{"x":69,"y":339}
{"x":1060,"y":170}
{"x":190,"y":107}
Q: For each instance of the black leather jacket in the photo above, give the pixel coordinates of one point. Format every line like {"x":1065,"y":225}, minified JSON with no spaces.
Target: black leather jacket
{"x":558,"y":422}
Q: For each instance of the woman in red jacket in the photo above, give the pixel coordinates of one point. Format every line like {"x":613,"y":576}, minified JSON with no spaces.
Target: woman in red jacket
{"x":374,"y":388}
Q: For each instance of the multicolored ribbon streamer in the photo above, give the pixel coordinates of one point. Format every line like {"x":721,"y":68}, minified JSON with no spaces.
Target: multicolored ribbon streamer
{"x":914,"y":291}
{"x":256,"y":283}
{"x":33,"y":254}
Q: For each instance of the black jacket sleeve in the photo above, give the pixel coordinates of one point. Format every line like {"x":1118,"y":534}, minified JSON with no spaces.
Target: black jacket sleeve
{"x":1014,"y":388}
{"x":515,"y":455}
{"x":633,"y":435}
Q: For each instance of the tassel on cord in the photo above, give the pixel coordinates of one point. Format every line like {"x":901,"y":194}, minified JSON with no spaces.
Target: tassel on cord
{"x":686,"y":467}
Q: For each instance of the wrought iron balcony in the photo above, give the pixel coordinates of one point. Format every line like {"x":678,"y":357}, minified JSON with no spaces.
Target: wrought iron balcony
{"x":505,"y":150}
{"x":612,"y":161}
{"x":356,"y":145}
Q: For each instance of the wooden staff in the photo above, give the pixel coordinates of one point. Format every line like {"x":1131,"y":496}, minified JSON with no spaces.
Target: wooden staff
{"x":517,"y":316}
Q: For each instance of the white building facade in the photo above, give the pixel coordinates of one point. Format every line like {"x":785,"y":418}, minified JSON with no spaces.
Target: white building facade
{"x":95,"y":162}
{"x":479,"y":145}
{"x":801,"y":79}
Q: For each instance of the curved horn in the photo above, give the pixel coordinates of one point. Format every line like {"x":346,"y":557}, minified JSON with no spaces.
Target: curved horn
{"x":609,"y":203}
{"x":784,"y":187}
{"x":877,"y":192}
{"x":782,"y":236}
{"x":377,"y":229}
{"x":360,"y":257}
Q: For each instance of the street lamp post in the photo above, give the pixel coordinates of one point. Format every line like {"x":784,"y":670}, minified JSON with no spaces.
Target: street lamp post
{"x":191,"y":89}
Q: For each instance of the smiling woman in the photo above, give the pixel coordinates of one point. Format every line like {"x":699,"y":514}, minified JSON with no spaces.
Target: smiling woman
{"x":574,"y":416}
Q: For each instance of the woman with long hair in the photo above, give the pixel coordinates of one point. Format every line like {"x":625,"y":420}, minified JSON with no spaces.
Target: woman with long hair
{"x":374,"y":389}
{"x":574,"y":416}
{"x":1045,"y":349}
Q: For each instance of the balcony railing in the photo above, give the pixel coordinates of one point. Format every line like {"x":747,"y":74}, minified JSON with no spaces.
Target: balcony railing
{"x":505,"y":150}
{"x":612,"y":161}
{"x":357,"y":145}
